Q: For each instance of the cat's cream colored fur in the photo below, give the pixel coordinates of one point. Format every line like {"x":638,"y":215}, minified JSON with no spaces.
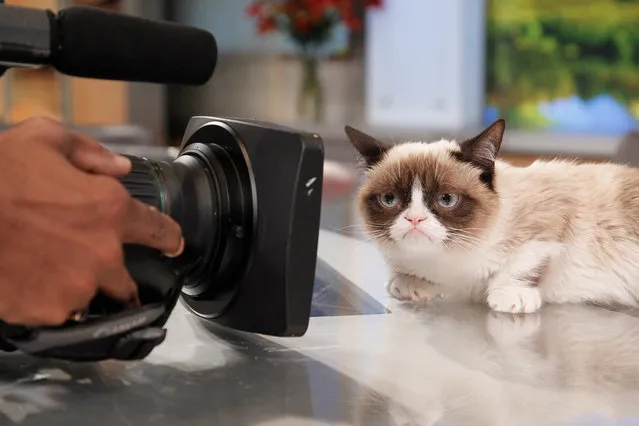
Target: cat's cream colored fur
{"x":557,"y":231}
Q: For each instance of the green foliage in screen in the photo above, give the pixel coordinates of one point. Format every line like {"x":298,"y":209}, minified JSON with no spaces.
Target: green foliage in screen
{"x":544,"y":49}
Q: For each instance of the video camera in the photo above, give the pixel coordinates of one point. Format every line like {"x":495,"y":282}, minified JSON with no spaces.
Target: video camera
{"x":246,"y":193}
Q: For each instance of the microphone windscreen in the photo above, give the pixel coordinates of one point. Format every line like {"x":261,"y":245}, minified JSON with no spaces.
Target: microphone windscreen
{"x":95,"y":43}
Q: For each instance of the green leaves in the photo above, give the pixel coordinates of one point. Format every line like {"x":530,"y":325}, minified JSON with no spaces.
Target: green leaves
{"x":544,"y":49}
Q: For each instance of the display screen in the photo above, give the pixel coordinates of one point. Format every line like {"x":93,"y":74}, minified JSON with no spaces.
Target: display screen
{"x":563,"y":66}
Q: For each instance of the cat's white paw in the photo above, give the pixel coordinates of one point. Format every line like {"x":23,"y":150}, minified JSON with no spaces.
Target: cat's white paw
{"x":514,"y":299}
{"x":409,"y":288}
{"x":509,"y":330}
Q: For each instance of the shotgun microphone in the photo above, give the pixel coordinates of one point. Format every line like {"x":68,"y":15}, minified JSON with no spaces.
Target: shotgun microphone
{"x":93,"y":43}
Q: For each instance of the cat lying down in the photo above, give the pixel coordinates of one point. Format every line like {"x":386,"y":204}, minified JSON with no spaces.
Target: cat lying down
{"x":454,"y":221}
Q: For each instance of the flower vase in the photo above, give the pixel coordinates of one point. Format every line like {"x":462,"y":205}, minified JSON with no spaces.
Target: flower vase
{"x":310,"y":100}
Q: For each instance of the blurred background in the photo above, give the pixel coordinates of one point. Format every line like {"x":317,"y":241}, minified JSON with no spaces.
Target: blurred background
{"x":563,"y":73}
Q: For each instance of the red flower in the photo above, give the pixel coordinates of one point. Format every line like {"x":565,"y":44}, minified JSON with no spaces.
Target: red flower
{"x":308,"y":18}
{"x":254,"y":9}
{"x":353,"y":23}
{"x":324,"y":4}
{"x":317,"y":8}
{"x":266,"y":26}
{"x":302,"y":21}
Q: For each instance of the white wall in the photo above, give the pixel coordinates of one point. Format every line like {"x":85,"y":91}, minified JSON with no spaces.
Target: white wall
{"x":425,"y":64}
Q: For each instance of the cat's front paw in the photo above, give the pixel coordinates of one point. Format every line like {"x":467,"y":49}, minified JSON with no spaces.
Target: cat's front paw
{"x":409,"y":288}
{"x":514,"y":299}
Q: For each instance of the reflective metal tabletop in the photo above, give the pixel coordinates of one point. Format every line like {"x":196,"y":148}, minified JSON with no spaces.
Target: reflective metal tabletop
{"x":364,"y":361}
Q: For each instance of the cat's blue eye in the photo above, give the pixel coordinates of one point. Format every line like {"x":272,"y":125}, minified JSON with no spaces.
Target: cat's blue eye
{"x":448,"y":200}
{"x":388,"y":199}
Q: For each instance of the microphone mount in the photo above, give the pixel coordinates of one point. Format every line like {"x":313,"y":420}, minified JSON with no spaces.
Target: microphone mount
{"x":26,"y":36}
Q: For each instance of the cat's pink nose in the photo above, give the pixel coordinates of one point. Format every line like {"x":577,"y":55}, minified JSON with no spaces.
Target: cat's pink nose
{"x":415,"y":220}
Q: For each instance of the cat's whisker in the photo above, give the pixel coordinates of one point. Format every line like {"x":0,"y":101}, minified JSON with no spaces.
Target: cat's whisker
{"x":464,"y":233}
{"x":451,"y":246}
{"x":472,"y":234}
{"x":460,"y":243}
{"x":466,"y":248}
{"x":353,"y":230}
{"x":363,"y":230}
{"x":466,"y":245}
{"x":466,"y":242}
{"x":355,"y":233}
{"x":363,"y":225}
{"x":465,"y":229}
{"x":466,"y":237}
{"x":455,"y":244}
{"x":469,"y":239}
{"x":469,"y":234}
{"x":376,"y":236}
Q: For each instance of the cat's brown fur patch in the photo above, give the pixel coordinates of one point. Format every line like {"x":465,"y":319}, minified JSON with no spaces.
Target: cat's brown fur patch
{"x":564,"y":201}
{"x":438,"y":175}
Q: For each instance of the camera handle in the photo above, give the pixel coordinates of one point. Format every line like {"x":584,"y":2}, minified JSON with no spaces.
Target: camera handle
{"x":127,"y":335}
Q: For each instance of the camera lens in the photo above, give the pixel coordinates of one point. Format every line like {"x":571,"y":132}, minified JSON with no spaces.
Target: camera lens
{"x":208,"y":190}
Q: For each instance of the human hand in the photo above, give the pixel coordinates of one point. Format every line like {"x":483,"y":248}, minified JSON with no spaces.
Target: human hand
{"x":80,"y":150}
{"x":63,"y":220}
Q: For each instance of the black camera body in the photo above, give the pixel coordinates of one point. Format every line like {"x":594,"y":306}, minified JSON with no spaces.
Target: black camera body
{"x":247,"y":195}
{"x":270,"y":289}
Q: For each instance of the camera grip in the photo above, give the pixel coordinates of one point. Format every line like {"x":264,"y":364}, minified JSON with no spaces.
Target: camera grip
{"x":125,"y":335}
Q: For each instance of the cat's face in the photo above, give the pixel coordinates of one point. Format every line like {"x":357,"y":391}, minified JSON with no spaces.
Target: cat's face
{"x":430,"y":196}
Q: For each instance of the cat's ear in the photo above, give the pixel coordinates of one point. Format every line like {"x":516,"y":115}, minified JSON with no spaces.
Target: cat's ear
{"x":482,"y":150}
{"x":370,"y":149}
